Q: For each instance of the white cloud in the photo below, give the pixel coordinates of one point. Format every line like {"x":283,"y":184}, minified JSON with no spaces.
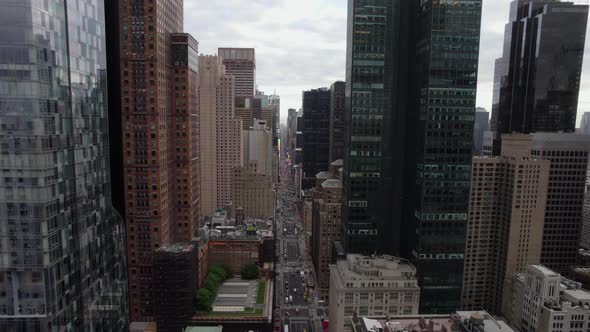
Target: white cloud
{"x":301,"y":44}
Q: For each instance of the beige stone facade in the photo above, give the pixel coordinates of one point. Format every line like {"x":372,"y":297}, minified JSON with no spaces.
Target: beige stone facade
{"x":325,"y":224}
{"x":220,"y":134}
{"x":371,"y":286}
{"x":505,"y":222}
{"x":252,"y":191}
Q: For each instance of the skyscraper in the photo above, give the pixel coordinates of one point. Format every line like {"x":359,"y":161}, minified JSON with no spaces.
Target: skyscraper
{"x":149,"y":136}
{"x":379,"y":87}
{"x":585,"y":124}
{"x":537,"y":79}
{"x":241,"y":63}
{"x":291,"y":133}
{"x":505,"y":221}
{"x":316,"y":134}
{"x":480,"y":126}
{"x":337,"y":123}
{"x":568,"y":154}
{"x":64,"y":266}
{"x":220,"y":134}
{"x":446,"y":68}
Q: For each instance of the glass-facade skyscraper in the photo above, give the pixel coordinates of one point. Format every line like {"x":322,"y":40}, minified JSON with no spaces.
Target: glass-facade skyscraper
{"x":62,"y":265}
{"x":447,"y":41}
{"x":410,"y":106}
{"x":377,"y":95}
{"x":537,"y":79}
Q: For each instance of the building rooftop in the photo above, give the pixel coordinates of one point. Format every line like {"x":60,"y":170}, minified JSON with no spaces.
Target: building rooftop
{"x":203,"y":329}
{"x":425,"y":323}
{"x":176,"y":247}
{"x":324,"y":175}
{"x":461,"y":321}
{"x":541,"y":269}
{"x":338,"y":162}
{"x":359,"y":267}
{"x":332,"y":183}
{"x":576,"y":295}
{"x":469,"y":321}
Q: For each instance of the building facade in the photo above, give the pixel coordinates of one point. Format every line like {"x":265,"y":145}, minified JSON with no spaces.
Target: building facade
{"x":537,"y":79}
{"x":316,"y":134}
{"x":371,"y":286}
{"x":252,"y":187}
{"x":375,"y":112}
{"x":480,"y":126}
{"x":174,"y":285}
{"x":148,"y":134}
{"x":325,"y":229}
{"x":62,"y":242}
{"x":585,"y":124}
{"x":568,"y":154}
{"x":548,"y":302}
{"x":444,"y":138}
{"x":504,"y":223}
{"x":220,"y":134}
{"x":241,"y":64}
{"x":337,"y":123}
{"x":252,"y":190}
{"x":186,"y":144}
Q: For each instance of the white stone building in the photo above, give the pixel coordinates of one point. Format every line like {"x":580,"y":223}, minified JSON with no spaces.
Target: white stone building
{"x":371,"y":286}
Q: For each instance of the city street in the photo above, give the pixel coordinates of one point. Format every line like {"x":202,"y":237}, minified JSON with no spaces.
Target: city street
{"x":297,"y":304}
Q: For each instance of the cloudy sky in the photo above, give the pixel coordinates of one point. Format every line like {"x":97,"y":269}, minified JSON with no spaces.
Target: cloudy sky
{"x":300,"y":44}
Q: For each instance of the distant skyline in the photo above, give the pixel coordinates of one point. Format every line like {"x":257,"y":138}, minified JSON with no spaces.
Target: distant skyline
{"x":301,"y":45}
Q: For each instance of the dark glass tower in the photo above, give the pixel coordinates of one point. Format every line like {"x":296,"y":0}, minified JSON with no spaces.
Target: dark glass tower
{"x":379,"y":61}
{"x":316,"y":135}
{"x":447,"y":44}
{"x":62,"y":241}
{"x":337,"y":123}
{"x":537,"y":79}
{"x":411,"y":83}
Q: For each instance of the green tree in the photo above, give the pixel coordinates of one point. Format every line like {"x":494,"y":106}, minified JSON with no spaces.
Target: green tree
{"x":249,"y":272}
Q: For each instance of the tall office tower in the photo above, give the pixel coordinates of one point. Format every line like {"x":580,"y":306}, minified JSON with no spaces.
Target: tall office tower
{"x":505,"y":221}
{"x":63,"y":266}
{"x":537,"y":79}
{"x":275,"y":103}
{"x":186,"y":144}
{"x":220,"y":134}
{"x":446,"y":104}
{"x":337,"y":124}
{"x":325,"y":226}
{"x":480,"y":126}
{"x":316,"y":134}
{"x":258,"y":146}
{"x":241,"y":63}
{"x":568,"y":154}
{"x":147,"y":118}
{"x":585,"y":124}
{"x":379,"y":87}
{"x":251,"y":184}
{"x":291,"y":133}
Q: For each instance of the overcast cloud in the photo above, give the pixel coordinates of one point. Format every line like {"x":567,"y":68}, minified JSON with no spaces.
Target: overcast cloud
{"x":301,"y":44}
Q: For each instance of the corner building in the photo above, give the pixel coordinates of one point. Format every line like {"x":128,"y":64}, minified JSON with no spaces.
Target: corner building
{"x":61,"y":240}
